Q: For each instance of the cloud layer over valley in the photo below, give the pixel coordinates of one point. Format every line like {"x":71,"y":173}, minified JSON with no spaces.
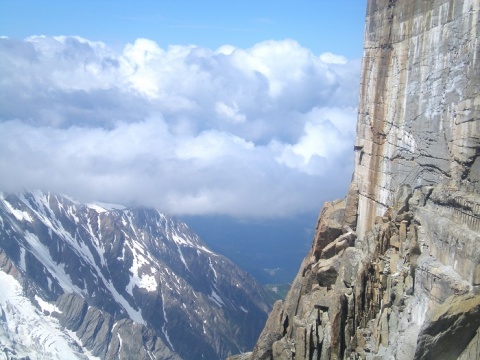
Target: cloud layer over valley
{"x":265,"y":131}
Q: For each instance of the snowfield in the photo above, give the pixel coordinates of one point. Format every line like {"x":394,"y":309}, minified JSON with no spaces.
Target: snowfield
{"x":25,"y":331}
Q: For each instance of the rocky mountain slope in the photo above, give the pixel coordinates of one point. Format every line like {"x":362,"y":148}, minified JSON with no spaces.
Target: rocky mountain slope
{"x":103,"y":281}
{"x":394,"y":270}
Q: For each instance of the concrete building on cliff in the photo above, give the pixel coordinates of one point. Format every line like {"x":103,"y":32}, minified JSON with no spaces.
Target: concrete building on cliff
{"x":394,"y":270}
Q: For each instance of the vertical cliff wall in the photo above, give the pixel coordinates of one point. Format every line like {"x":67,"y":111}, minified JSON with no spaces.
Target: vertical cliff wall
{"x":420,"y":101}
{"x":394,"y":270}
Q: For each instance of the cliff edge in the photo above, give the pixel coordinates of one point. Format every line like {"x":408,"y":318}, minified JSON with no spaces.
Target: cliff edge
{"x":394,"y":270}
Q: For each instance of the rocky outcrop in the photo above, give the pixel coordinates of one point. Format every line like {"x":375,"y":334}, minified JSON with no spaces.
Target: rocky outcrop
{"x":384,"y":296}
{"x":459,"y":315}
{"x":394,"y":268}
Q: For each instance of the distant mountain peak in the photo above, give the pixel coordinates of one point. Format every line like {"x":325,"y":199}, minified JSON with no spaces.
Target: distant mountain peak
{"x":131,"y":263}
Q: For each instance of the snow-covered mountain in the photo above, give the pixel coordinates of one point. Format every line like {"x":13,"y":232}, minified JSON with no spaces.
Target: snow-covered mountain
{"x":98,"y":280}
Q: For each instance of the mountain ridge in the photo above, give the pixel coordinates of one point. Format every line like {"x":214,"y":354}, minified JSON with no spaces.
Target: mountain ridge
{"x":135,"y":264}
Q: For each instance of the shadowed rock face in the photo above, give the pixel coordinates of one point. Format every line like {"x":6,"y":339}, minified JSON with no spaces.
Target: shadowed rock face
{"x":394,"y":269}
{"x":129,"y":282}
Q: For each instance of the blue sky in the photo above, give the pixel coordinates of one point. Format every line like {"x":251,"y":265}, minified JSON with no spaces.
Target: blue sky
{"x":321,"y":25}
{"x":240,"y":108}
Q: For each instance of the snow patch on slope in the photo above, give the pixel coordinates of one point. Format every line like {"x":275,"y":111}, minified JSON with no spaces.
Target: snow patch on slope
{"x":101,"y":207}
{"x":141,"y":258}
{"x":211,"y":267}
{"x":23,"y":264}
{"x":42,"y":253}
{"x":164,"y":329}
{"x":148,"y":282}
{"x":19,"y":214}
{"x":185,"y":241}
{"x":46,"y":306}
{"x":181,"y":240}
{"x":216,"y":298}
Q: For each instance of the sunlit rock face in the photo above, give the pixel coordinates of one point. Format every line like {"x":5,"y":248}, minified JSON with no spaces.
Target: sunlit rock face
{"x":418,"y":121}
{"x":394,"y":269}
{"x":121,"y":282}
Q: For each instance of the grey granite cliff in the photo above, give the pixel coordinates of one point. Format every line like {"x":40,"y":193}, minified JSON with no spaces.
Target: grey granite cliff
{"x":394,"y":270}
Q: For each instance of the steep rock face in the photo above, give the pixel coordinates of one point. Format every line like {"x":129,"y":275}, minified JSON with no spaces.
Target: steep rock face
{"x":128,"y":282}
{"x":419,"y":102}
{"x":394,"y":270}
{"x":107,"y":339}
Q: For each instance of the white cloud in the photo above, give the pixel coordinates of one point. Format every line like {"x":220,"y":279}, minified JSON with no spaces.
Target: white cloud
{"x":229,"y":112}
{"x":326,"y":138}
{"x":329,"y":58}
{"x":248,"y":132}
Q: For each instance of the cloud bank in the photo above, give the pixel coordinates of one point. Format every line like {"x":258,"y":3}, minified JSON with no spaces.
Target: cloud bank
{"x":265,"y":131}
